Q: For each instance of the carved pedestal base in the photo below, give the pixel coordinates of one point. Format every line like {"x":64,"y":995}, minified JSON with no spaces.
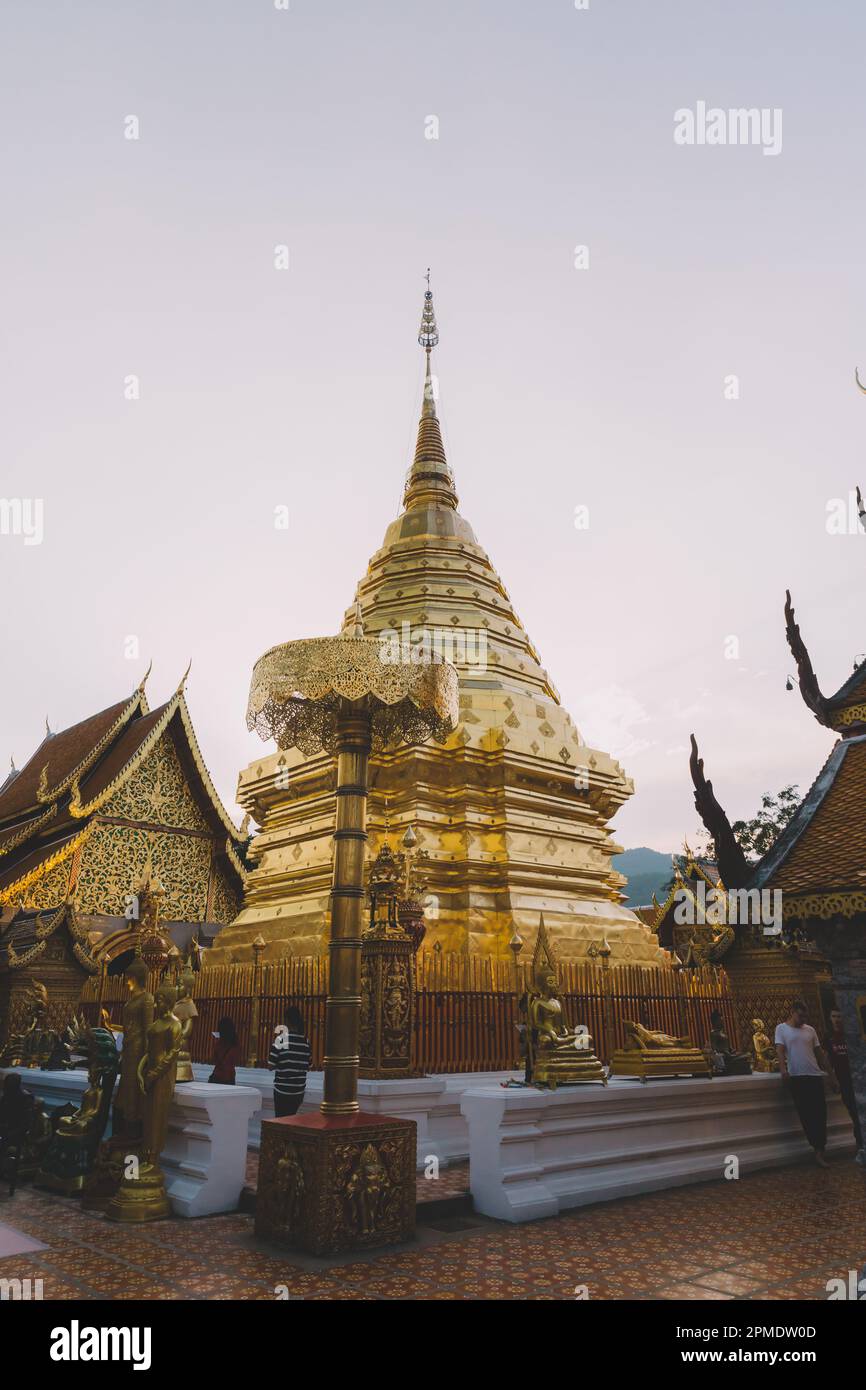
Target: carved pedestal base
{"x":66,"y":1167}
{"x":106,"y":1174}
{"x":683,"y":1061}
{"x":143,"y":1198}
{"x":578,"y":1069}
{"x":341,"y":1182}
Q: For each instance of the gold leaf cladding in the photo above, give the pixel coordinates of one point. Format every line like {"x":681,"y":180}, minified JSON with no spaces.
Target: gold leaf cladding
{"x":114,"y":861}
{"x":226,"y":902}
{"x":158,"y":792}
{"x":51,"y":889}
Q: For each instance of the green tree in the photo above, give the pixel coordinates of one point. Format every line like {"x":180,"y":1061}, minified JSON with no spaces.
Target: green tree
{"x":756,"y":836}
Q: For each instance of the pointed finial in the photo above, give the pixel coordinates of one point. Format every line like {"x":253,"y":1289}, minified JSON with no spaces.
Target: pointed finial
{"x":143,"y":682}
{"x":180,"y":688}
{"x":49,"y":732}
{"x":12,"y":767}
{"x":429,"y":481}
{"x":358,"y":627}
{"x":428,"y":334}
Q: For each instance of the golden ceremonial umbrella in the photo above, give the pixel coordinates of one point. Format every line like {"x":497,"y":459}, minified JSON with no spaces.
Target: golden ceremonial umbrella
{"x":342,"y":694}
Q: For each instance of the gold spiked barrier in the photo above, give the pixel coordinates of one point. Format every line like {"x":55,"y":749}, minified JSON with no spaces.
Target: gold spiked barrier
{"x":342,"y":1180}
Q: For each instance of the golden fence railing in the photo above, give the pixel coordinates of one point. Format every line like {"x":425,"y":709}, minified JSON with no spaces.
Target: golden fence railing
{"x":467,"y":1012}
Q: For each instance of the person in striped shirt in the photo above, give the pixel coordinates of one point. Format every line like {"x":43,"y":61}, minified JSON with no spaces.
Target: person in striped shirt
{"x":290,"y":1058}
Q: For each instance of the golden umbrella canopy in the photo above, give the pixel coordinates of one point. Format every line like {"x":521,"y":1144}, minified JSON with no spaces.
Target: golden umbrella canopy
{"x":342,"y":694}
{"x":298,"y":688}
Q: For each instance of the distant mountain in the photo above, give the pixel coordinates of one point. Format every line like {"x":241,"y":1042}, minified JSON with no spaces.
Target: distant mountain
{"x":647,"y":871}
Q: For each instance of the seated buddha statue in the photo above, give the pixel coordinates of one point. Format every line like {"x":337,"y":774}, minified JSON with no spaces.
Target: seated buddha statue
{"x":732,"y":1063}
{"x":558,"y":1055}
{"x":71,"y":1153}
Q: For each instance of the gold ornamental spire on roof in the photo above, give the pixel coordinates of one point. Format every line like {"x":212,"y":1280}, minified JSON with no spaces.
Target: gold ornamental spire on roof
{"x":430,"y":481}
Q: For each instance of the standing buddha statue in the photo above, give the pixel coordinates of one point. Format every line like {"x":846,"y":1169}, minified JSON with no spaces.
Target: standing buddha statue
{"x":186,"y":1011}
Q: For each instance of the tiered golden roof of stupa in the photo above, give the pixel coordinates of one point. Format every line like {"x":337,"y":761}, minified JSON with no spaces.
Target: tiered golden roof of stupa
{"x":512,"y":812}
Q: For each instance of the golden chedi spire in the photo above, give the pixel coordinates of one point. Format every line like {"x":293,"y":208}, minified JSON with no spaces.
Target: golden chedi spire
{"x":429,"y":479}
{"x":512,"y":813}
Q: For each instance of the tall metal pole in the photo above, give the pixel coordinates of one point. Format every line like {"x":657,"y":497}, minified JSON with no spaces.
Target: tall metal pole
{"x":343,"y":1011}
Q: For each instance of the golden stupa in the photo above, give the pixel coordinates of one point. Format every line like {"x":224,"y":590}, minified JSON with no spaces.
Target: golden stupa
{"x":511,"y":815}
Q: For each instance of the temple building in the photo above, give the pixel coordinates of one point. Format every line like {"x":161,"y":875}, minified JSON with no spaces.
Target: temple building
{"x":513,"y":813}
{"x":816,"y":863}
{"x":702,"y":923}
{"x":122,"y":797}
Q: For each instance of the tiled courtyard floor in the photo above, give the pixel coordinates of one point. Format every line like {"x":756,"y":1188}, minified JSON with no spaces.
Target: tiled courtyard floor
{"x":775,"y":1235}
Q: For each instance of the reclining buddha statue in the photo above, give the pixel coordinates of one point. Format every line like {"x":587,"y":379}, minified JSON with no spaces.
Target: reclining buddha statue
{"x":647,"y":1054}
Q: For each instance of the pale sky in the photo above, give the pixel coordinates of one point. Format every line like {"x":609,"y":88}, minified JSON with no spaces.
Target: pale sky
{"x":602,"y":387}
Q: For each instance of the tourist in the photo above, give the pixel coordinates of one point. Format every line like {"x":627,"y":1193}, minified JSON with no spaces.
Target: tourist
{"x":804,"y":1067}
{"x":226,"y":1053}
{"x":290,"y":1059}
{"x":837,"y":1051}
{"x":16,"y":1117}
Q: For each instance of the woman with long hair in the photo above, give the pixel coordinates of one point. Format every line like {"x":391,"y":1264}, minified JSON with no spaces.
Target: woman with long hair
{"x":226,"y":1053}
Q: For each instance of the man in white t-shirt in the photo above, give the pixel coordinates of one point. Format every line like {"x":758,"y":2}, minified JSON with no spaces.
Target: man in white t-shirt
{"x":803,"y":1067}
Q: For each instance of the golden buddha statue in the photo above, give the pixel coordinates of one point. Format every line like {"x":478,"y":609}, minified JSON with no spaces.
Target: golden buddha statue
{"x":72,"y":1151}
{"x":763,"y":1051}
{"x":157,"y":1070}
{"x":142,"y":1195}
{"x":556,"y":1054}
{"x":648,"y":1053}
{"x":186,"y":1011}
{"x":137,"y":1018}
{"x":726,"y":1062}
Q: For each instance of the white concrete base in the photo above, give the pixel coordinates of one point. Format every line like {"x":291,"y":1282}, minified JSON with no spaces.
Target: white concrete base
{"x":537,"y":1153}
{"x":433,"y":1102}
{"x":55,"y":1088}
{"x":205,"y":1156}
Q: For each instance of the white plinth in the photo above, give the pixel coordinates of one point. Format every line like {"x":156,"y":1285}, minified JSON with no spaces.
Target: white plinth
{"x":55,"y":1088}
{"x":205,"y":1156}
{"x":433,"y":1102}
{"x":536,"y":1153}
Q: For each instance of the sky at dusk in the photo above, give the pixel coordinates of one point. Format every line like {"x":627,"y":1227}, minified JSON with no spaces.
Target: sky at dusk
{"x":688,"y":378}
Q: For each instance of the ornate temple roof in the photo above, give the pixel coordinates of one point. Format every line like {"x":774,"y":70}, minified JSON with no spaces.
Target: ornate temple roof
{"x":62,"y":756}
{"x":819,"y":859}
{"x":47,"y":811}
{"x":24,"y":935}
{"x":844,"y":712}
{"x":822,"y":850}
{"x":688,"y":870}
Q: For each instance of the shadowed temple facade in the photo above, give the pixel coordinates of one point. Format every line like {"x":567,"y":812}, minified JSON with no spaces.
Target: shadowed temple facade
{"x":512,"y":814}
